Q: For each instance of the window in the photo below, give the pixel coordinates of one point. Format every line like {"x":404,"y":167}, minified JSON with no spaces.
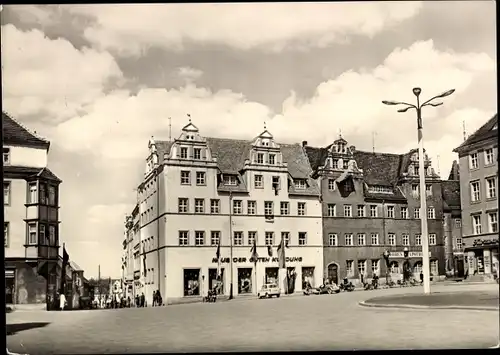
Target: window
{"x":52,"y":196}
{"x":184,"y":153}
{"x":32,"y":236}
{"x":302,"y":238}
{"x":183,"y":205}
{"x":418,"y":239}
{"x":272,"y":159}
{"x":492,"y":222}
{"x":286,"y":237}
{"x":199,"y":238}
{"x":32,"y":197}
{"x":6,"y":192}
{"x":374,"y":238}
{"x":251,"y":207}
{"x":361,"y":210}
{"x":252,"y":238}
{"x":269,"y":238}
{"x":43,"y":193}
{"x":260,"y":158}
{"x":373,"y":211}
{"x":183,"y":238}
{"x":361,"y":239}
{"x":375,"y":267}
{"x":390,"y":211}
{"x":185,"y":178}
{"x":6,"y":156}
{"x":331,"y":184}
{"x":332,"y":210}
{"x":345,"y":163}
{"x":416,"y":213}
{"x":238,"y":238}
{"x":415,"y":191}
{"x":491,"y":188}
{"x":362,"y":267}
{"x":335,"y":164}
{"x":459,"y":244}
{"x":475,"y":191}
{"x":348,"y":239}
{"x":258,"y":181}
{"x":404,"y":212}
{"x":200,"y":178}
{"x":284,"y":208}
{"x":300,"y":184}
{"x":347,"y":211}
{"x":237,"y":207}
{"x":392,"y":239}
{"x":268,"y":208}
{"x":199,"y":205}
{"x":42,"y":238}
{"x":215,"y":206}
{"x":6,"y":234}
{"x":301,"y":208}
{"x":349,"y":267}
{"x":332,"y":240}
{"x":488,"y":156}
{"x":197,"y":153}
{"x":473,"y":161}
{"x":476,"y":224}
{"x":458,"y":223}
{"x":431,"y":213}
{"x":428,"y":190}
{"x":52,"y":235}
{"x":406,"y":239}
{"x":214,"y":237}
{"x":432,"y":239}
{"x":434,"y":267}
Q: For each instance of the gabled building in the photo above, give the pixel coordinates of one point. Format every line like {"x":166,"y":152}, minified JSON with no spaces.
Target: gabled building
{"x":130,"y":262}
{"x":31,"y":216}
{"x":370,"y":204}
{"x":478,"y":161}
{"x":200,"y":191}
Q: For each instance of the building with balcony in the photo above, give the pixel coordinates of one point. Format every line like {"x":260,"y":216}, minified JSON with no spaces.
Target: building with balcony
{"x":199,"y":192}
{"x":370,"y":204}
{"x":478,"y":161}
{"x":31,"y":216}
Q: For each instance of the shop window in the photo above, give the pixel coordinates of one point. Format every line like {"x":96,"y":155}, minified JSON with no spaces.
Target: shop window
{"x":307,"y":277}
{"x":244,"y":280}
{"x":272,"y":275}
{"x":394,"y":267}
{"x":215,"y":283}
{"x":434,"y":267}
{"x":417,"y":268}
{"x":191,"y":282}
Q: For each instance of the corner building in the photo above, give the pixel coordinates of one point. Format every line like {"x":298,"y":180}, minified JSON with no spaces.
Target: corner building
{"x":371,"y":203}
{"x":235,"y":192}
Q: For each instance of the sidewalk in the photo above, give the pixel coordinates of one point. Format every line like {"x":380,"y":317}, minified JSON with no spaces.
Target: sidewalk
{"x":471,"y":300}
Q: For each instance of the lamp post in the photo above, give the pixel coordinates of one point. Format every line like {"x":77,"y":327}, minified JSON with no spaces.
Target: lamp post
{"x":423,"y":203}
{"x":406,"y":266}
{"x":386,"y":255}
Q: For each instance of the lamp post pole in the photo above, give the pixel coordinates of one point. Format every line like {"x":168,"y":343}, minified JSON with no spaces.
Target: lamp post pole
{"x":423,"y":202}
{"x":231,"y":244}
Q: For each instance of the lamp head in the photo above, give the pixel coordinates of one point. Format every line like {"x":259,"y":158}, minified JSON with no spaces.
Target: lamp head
{"x":417,"y":91}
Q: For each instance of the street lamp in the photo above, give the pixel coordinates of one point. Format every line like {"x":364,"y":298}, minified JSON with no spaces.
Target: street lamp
{"x":423,"y":203}
{"x":386,"y":256}
{"x":406,"y":266}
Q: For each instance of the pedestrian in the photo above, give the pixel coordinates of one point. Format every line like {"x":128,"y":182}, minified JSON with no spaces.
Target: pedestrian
{"x":421,"y":276}
{"x":159,"y":301}
{"x":143,"y":299}
{"x":62,"y":301}
{"x":154,"y":298}
{"x":128,"y":301}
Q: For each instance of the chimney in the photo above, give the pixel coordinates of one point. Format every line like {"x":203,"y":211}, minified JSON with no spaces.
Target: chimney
{"x":304,"y":143}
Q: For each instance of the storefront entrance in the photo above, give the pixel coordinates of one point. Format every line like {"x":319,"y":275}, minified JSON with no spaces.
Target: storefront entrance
{"x":191,"y":282}
{"x":244,"y":280}
{"x":9,"y":287}
{"x":333,"y":274}
{"x":271,"y":276}
{"x":214,"y":283}
{"x":291,"y":276}
{"x":307,"y":277}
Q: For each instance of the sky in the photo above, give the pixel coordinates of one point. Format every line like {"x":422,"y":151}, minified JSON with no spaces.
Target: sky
{"x":99,"y":80}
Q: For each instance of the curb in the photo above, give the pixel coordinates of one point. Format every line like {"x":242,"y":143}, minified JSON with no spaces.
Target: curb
{"x":410,"y":306}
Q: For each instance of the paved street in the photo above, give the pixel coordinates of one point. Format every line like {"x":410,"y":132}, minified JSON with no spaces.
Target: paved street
{"x":327,"y":322}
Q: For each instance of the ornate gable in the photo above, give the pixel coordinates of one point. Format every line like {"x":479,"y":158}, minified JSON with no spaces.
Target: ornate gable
{"x":265,"y":151}
{"x":340,"y":158}
{"x":190,"y":145}
{"x":413,"y":165}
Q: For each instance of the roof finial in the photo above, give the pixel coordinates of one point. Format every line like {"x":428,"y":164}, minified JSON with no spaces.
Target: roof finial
{"x":189,"y":117}
{"x":340,"y":133}
{"x":265,"y":126}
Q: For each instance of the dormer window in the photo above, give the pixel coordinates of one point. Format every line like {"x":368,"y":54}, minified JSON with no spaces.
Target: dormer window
{"x":345,"y":164}
{"x":260,"y":158}
{"x":197,"y":153}
{"x":380,"y":189}
{"x":6,"y":156}
{"x":184,"y":153}
{"x":341,"y":148}
{"x":272,"y":159}
{"x":300,"y":184}
{"x":335,"y":164}
{"x":416,"y":170}
{"x":230,"y":180}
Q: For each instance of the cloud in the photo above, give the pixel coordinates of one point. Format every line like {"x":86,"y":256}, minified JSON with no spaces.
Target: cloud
{"x":189,"y":74}
{"x":51,"y":76}
{"x":131,"y":29}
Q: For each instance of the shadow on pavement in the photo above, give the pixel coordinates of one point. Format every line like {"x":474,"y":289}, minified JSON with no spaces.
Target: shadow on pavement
{"x":13,"y":329}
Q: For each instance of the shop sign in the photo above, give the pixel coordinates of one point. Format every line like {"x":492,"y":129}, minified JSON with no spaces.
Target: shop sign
{"x":259,"y":260}
{"x":411,"y":254}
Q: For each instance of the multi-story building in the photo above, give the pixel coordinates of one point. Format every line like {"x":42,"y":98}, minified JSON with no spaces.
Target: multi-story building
{"x":478,"y":161}
{"x":199,"y":192}
{"x":370,"y":204}
{"x":130,"y":253}
{"x":31,"y":217}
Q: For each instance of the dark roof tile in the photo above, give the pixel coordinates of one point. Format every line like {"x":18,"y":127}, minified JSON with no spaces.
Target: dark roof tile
{"x":451,"y":193}
{"x":23,"y":171}
{"x":379,"y":168}
{"x":14,"y":133}
{"x":486,"y":131}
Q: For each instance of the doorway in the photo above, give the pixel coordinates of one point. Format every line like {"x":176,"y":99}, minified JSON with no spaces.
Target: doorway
{"x":291,"y":276}
{"x":9,"y":290}
{"x":333,"y":273}
{"x":191,"y":282}
{"x":214,"y":282}
{"x":244,"y":280}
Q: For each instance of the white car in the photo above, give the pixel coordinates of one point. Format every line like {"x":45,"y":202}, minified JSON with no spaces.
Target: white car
{"x":268,"y":291}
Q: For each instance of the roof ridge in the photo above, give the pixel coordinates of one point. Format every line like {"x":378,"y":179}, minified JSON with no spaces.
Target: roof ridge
{"x":36,"y":135}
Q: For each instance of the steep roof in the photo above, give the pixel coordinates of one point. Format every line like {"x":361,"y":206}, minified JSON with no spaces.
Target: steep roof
{"x":230,"y":153}
{"x":23,"y":171}
{"x":486,"y":131}
{"x":455,"y":171}
{"x":379,"y":168}
{"x":75,"y":266}
{"x":14,"y":133}
{"x":451,"y":193}
{"x":162,"y":147}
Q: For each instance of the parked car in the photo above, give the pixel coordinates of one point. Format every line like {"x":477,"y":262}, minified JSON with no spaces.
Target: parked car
{"x":268,"y":291}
